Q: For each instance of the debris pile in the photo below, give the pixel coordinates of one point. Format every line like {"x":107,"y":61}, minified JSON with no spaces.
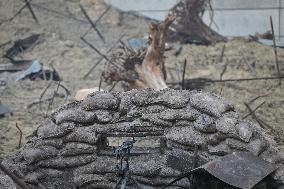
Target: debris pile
{"x":189,"y":27}
{"x":28,"y":69}
{"x":142,"y":68}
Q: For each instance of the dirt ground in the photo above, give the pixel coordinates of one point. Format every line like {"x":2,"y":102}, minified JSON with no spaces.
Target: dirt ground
{"x":61,"y":46}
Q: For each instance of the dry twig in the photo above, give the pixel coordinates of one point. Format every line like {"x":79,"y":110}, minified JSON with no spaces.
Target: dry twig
{"x":21,"y":135}
{"x":259,"y":121}
{"x":224,"y":70}
{"x":222,"y":53}
{"x":260,"y":96}
{"x":253,"y":111}
{"x":183,"y":73}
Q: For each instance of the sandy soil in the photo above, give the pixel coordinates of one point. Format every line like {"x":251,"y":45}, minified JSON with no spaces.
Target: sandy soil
{"x":61,"y":46}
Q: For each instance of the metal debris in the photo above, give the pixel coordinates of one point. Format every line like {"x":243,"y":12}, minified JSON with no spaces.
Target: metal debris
{"x":36,"y":71}
{"x":22,"y":45}
{"x":239,"y":169}
{"x":34,"y":68}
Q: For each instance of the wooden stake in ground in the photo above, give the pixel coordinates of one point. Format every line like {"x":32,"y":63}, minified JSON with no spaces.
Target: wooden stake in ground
{"x":275,"y":49}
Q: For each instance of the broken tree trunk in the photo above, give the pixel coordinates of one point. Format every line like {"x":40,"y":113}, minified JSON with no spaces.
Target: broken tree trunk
{"x":143,"y":68}
{"x":190,"y":26}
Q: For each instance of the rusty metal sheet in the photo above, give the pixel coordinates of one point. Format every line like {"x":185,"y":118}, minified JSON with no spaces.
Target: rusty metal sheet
{"x":240,"y":169}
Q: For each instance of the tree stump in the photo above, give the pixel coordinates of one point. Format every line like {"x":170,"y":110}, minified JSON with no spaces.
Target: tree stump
{"x":143,"y":68}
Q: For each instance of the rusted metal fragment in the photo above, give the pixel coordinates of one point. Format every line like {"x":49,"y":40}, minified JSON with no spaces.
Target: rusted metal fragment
{"x":240,"y":169}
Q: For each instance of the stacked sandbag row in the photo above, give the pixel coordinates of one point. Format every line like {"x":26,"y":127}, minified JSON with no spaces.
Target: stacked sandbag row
{"x":64,"y":150}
